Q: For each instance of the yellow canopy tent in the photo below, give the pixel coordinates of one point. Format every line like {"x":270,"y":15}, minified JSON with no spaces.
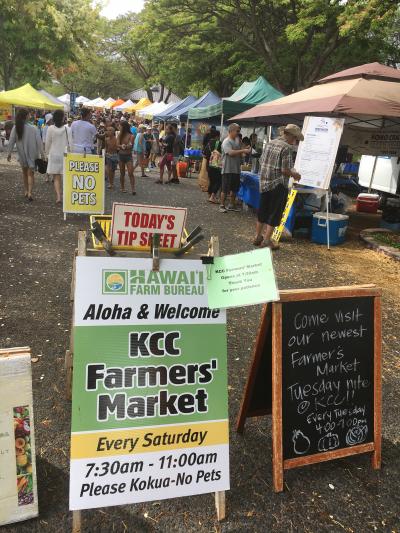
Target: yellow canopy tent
{"x":27,"y":96}
{"x":143,"y":102}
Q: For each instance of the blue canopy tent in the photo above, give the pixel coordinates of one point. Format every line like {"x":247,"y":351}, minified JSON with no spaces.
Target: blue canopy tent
{"x":209,"y":98}
{"x":174,"y":111}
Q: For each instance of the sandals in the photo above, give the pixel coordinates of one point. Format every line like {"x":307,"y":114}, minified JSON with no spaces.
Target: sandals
{"x":124,"y":190}
{"x":271,"y":244}
{"x":258,"y":240}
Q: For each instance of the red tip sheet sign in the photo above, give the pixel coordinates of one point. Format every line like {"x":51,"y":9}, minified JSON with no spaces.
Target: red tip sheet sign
{"x":133,"y":225}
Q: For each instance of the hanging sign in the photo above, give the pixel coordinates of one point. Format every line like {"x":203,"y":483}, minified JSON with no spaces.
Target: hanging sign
{"x":83,"y":182}
{"x":372,"y":141}
{"x":18,"y":485}
{"x":133,"y":225}
{"x":149,"y":399}
{"x":317,"y":153}
{"x":241,"y":279}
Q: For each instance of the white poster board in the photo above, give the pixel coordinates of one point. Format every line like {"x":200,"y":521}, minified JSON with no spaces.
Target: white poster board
{"x":133,"y":225}
{"x":18,"y":486}
{"x":317,"y":153}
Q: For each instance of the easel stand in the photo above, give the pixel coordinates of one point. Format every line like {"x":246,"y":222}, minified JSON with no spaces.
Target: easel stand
{"x":83,"y":250}
{"x":322,"y":193}
{"x":266,"y":392}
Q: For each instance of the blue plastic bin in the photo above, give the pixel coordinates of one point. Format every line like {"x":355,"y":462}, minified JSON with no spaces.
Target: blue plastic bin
{"x":337,"y":228}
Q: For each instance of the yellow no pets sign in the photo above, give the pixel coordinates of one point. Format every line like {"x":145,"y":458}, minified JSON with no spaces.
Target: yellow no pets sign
{"x":83,"y":183}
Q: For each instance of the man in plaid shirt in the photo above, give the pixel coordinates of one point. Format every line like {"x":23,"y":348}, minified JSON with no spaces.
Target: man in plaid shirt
{"x":276,"y":169}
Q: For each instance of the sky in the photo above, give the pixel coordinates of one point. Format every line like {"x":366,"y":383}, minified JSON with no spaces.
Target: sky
{"x":114,"y":8}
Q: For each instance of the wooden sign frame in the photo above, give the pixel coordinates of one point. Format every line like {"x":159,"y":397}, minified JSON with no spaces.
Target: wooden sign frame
{"x":81,"y":251}
{"x":279,"y":464}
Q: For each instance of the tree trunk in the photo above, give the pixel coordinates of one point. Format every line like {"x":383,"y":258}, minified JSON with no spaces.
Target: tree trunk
{"x":149,"y":95}
{"x":162,"y":89}
{"x":168,"y":96}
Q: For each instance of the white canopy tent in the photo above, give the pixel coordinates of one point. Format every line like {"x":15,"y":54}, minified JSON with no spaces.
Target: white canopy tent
{"x":56,"y":100}
{"x":153,"y":109}
{"x":97,"y":102}
{"x":82,"y":100}
{"x":64,"y":98}
{"x":108,"y":103}
{"x":124,"y":106}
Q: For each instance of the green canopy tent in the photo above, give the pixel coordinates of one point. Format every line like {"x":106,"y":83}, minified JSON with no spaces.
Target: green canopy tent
{"x":249,"y":94}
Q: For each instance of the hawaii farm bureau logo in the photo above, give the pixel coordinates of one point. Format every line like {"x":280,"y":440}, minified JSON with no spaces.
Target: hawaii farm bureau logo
{"x":152,"y":283}
{"x":115,"y":282}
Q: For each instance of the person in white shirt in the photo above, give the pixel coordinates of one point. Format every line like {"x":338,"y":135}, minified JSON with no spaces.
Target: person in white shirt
{"x":58,"y":140}
{"x":48,"y":119}
{"x":83,"y":133}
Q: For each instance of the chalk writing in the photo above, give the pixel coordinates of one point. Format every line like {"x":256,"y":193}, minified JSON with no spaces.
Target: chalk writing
{"x":327,"y":375}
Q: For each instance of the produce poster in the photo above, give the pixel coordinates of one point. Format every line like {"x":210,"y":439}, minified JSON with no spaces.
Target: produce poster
{"x":317,"y":153}
{"x":133,"y":225}
{"x":84,"y":184}
{"x":18,"y":485}
{"x":149,"y":407}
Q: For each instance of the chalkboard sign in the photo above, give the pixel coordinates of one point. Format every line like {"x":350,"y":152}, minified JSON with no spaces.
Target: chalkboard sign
{"x":327,"y":375}
{"x":322,"y":349}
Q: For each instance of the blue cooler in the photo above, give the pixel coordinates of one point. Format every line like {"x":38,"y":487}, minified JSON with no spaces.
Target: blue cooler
{"x":337,"y":228}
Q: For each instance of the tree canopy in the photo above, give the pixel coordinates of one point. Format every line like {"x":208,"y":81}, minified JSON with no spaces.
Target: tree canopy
{"x":190,"y":46}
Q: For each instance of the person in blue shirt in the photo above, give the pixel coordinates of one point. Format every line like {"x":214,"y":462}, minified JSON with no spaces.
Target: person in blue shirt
{"x":133,"y":128}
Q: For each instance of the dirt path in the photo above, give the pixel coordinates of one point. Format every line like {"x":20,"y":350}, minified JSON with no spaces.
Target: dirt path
{"x":36,"y":251}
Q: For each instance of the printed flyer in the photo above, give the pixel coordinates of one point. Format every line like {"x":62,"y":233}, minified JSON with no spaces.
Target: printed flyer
{"x":83,"y":184}
{"x":149,"y":399}
{"x":18,"y":492}
{"x":317,"y":153}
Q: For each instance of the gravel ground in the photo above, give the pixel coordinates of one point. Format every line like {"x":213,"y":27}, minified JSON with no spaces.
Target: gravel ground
{"x":36,"y":253}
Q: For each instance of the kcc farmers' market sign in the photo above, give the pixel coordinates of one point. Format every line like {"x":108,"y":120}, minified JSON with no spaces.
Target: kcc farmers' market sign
{"x":149,"y":416}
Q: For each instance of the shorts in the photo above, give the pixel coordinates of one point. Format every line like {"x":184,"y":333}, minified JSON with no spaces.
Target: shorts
{"x":166,"y":161}
{"x":125,"y":158}
{"x":272,"y":205}
{"x":112,"y":161}
{"x":230,"y":183}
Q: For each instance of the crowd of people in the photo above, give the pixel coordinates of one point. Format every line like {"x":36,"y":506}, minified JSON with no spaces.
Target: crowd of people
{"x":127,"y":145}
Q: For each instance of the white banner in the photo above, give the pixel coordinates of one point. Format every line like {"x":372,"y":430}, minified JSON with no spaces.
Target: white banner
{"x":111,"y":292}
{"x":317,"y":153}
{"x":372,"y":141}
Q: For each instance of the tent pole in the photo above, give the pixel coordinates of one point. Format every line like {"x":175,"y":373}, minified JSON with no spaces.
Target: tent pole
{"x":372,"y":174}
{"x":327,"y":219}
{"x":222,"y":126}
{"x":187,"y":132}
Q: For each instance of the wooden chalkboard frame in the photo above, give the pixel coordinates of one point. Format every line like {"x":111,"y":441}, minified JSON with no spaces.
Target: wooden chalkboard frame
{"x":274,"y":312}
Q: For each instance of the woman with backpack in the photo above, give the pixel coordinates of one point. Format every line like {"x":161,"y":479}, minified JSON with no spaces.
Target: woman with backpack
{"x":212,"y":152}
{"x":29,"y":148}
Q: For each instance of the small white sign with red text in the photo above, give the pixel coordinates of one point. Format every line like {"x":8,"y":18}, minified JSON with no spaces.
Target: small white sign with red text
{"x":133,"y":225}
